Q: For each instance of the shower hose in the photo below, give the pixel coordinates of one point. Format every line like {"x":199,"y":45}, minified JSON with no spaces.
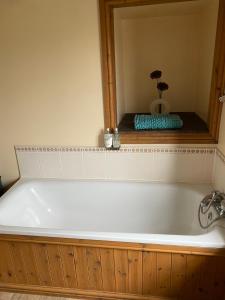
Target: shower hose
{"x":204,"y":212}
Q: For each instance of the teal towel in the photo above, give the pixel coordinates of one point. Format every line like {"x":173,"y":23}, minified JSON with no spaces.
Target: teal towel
{"x":157,"y":122}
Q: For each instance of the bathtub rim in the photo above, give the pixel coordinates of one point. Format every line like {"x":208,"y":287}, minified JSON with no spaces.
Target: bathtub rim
{"x":200,"y":241}
{"x":148,"y":247}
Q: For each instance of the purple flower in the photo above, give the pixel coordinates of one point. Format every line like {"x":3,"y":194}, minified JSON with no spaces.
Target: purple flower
{"x":156,"y":74}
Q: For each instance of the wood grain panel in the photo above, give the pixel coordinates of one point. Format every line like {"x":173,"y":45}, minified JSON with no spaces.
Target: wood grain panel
{"x":96,"y":272}
{"x":18,"y":263}
{"x":29,"y":263}
{"x":108,"y":270}
{"x":135,"y":272}
{"x":164,"y":267}
{"x":68,"y":258}
{"x":178,"y":273}
{"x":7,"y":270}
{"x":219,"y":278}
{"x":55,"y":263}
{"x":42,"y":264}
{"x":121,"y":270}
{"x":81,"y":268}
{"x":193,"y":273}
{"x":94,"y":269}
{"x":206,"y":282}
{"x":149,"y":273}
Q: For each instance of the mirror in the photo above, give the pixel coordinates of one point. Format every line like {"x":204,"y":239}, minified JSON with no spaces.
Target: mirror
{"x":162,"y":63}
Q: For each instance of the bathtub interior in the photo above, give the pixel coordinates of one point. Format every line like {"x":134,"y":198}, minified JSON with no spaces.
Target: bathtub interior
{"x":123,"y":207}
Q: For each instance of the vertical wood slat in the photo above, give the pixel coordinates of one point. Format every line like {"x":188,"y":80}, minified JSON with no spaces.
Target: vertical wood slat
{"x":68,"y":257}
{"x":29,"y":263}
{"x":207,"y":272}
{"x":178,"y":273}
{"x":108,"y":270}
{"x":42,"y":263}
{"x":94,"y":269}
{"x":55,"y":263}
{"x":212,"y":279}
{"x":149,"y":273}
{"x":193,"y":272}
{"x":18,"y":263}
{"x":135,"y":272}
{"x":7,"y":270}
{"x":121,"y":270}
{"x":219,"y":278}
{"x":163,"y":273}
{"x":81,"y":268}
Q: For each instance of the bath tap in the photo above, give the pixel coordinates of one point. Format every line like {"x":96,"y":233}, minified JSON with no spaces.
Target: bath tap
{"x":208,"y":200}
{"x":219,"y":204}
{"x":216,"y":200}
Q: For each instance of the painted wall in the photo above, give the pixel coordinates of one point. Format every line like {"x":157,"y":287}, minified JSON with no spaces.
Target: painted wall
{"x":219,"y":162}
{"x":222,"y":132}
{"x":176,"y":38}
{"x":50,"y":76}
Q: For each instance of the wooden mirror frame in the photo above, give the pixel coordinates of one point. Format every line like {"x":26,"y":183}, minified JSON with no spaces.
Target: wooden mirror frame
{"x":109,"y":80}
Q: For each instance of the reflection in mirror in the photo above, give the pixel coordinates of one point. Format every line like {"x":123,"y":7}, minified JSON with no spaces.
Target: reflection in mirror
{"x":177,"y":39}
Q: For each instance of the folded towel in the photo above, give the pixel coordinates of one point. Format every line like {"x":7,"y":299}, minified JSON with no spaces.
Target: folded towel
{"x":157,"y":122}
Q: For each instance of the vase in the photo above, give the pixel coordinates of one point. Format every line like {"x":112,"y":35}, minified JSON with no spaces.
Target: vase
{"x":159,"y":107}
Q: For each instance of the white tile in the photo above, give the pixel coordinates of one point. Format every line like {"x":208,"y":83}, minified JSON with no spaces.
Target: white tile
{"x":208,"y":167}
{"x":94,"y":165}
{"x":50,"y":164}
{"x":178,"y":167}
{"x":72,"y":165}
{"x":219,"y":175}
{"x":29,"y":164}
{"x":129,"y":166}
{"x":165,"y":167}
{"x":147,"y":166}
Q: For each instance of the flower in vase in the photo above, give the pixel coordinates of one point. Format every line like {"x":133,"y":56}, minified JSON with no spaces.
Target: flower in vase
{"x":156,"y":74}
{"x":162,"y":86}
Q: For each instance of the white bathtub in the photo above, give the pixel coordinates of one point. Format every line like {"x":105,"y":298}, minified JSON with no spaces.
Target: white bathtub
{"x":153,"y":213}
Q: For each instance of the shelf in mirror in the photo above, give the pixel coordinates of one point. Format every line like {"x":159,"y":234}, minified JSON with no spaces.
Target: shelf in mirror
{"x":192,"y":123}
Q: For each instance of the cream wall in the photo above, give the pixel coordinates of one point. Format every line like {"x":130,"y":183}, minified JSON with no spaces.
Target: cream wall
{"x":50,"y":76}
{"x":222,"y":132}
{"x":219,"y":162}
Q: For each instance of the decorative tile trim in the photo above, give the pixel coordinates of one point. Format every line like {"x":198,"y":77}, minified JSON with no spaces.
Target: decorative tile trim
{"x":124,"y":149}
{"x":220,"y":154}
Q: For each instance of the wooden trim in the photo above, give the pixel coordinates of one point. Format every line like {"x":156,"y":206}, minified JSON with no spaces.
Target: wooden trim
{"x":218,"y":78}
{"x":114,"y":245}
{"x":79,"y":294}
{"x":109,"y":80}
{"x":166,"y":138}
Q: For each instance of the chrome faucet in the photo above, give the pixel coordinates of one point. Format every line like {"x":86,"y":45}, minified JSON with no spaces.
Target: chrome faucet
{"x":216,"y":200}
{"x":219,"y":204}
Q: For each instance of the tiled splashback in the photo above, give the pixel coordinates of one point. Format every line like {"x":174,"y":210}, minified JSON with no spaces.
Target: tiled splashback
{"x":219,"y":171}
{"x":144,"y":163}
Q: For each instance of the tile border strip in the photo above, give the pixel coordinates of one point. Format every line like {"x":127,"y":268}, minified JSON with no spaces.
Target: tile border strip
{"x":139,"y":149}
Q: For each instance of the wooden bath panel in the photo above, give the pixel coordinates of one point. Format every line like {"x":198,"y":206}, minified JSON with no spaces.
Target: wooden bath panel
{"x":110,"y":270}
